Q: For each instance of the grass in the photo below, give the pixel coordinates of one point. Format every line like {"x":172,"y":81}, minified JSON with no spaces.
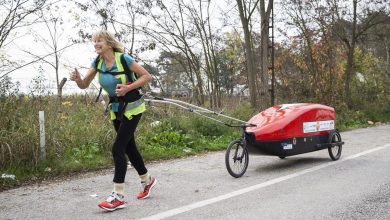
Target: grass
{"x":79,"y":136}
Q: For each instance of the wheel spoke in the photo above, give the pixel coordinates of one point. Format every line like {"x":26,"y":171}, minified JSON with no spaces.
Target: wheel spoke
{"x":335,"y":150}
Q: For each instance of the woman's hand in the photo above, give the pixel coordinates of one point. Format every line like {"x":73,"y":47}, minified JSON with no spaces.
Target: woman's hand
{"x":121,"y":89}
{"x":83,"y":83}
{"x":75,"y":75}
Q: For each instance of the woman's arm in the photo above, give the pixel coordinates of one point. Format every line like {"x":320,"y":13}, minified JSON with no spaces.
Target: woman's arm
{"x":83,"y":83}
{"x":143,"y":78}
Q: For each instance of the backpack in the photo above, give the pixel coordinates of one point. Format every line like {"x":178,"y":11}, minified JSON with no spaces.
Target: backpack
{"x":133,"y":96}
{"x":131,"y":76}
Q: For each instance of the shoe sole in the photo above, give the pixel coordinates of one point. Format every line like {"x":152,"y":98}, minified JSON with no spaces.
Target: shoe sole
{"x":150,"y":190}
{"x":113,"y":209}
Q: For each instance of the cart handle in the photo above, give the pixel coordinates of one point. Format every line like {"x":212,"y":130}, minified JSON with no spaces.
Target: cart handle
{"x":243,"y":125}
{"x":199,"y":110}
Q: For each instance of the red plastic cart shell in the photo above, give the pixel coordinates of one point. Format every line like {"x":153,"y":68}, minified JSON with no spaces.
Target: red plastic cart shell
{"x":292,"y":121}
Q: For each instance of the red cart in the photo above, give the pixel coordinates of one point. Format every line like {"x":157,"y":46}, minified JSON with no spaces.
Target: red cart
{"x":283,"y":130}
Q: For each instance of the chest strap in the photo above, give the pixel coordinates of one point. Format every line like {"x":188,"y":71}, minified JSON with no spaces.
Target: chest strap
{"x":123,"y":105}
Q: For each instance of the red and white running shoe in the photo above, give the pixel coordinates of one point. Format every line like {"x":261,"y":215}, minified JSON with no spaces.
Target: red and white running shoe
{"x":112,"y":203}
{"x":147,"y":188}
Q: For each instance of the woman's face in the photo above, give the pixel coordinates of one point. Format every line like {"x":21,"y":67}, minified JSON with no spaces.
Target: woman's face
{"x":101,"y":46}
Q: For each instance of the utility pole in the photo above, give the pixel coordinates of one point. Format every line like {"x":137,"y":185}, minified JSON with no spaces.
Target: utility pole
{"x":271,"y":56}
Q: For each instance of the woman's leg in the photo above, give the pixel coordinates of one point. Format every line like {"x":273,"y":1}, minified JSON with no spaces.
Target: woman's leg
{"x":135,"y":157}
{"x":125,"y":133}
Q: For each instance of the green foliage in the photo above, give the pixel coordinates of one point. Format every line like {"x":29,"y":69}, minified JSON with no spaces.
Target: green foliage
{"x":38,"y":85}
{"x":229,"y":62}
{"x":169,"y":139}
{"x":370,"y":84}
{"x":244,"y":111}
{"x":79,"y":137}
{"x":173,"y":72}
{"x":8,"y":88}
{"x":349,"y":119}
{"x":85,"y":152}
{"x":181,"y":133}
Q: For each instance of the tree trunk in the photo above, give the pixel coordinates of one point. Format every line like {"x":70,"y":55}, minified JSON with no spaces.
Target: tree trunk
{"x":350,"y":63}
{"x":59,"y":89}
{"x":387,"y":57}
{"x":249,"y":57}
{"x":264,"y":51}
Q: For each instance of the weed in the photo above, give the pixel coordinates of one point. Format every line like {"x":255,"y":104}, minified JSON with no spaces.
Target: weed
{"x":79,"y":137}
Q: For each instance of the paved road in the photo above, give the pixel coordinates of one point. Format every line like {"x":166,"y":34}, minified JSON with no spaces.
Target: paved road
{"x":307,"y":186}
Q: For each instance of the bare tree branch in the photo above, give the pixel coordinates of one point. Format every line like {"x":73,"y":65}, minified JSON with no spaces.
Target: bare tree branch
{"x":34,"y":61}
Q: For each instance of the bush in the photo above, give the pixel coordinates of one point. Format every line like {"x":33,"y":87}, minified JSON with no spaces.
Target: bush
{"x":348,"y":119}
{"x":79,"y":136}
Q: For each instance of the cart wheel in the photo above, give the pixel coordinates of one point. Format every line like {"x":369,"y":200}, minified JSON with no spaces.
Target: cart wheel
{"x":335,"y":151}
{"x":236,"y":158}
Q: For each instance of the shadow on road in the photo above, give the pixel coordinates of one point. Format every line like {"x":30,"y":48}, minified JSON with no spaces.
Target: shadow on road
{"x":290,"y":163}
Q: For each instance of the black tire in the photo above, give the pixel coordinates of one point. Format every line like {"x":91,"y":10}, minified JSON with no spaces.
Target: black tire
{"x":335,"y":151}
{"x":236,"y":158}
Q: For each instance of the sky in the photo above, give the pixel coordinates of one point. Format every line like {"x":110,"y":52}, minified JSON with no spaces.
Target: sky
{"x":27,"y":41}
{"x":78,"y":56}
{"x":81,"y":55}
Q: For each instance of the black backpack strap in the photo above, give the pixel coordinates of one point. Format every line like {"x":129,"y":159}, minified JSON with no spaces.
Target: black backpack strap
{"x":100,"y":92}
{"x":96,"y":63}
{"x":130,"y":75}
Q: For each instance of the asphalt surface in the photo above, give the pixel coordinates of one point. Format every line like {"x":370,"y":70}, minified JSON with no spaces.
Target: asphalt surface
{"x":306,"y":186}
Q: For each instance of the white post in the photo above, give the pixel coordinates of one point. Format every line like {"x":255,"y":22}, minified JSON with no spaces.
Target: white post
{"x":42,"y":135}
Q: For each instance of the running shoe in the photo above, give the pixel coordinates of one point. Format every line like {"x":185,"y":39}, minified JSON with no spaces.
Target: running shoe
{"x":147,"y":188}
{"x":112,"y":203}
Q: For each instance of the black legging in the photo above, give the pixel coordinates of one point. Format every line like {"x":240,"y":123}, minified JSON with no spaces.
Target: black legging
{"x":125,"y":143}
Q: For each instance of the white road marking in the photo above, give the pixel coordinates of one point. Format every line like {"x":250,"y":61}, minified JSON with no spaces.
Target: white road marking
{"x":206,"y":202}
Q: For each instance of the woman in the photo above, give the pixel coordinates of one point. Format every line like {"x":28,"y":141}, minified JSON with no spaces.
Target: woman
{"x":126,"y":110}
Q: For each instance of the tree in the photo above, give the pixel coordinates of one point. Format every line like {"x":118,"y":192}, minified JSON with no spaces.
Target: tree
{"x":175,"y":34}
{"x":8,"y":88}
{"x":301,"y":18}
{"x":172,"y":71}
{"x":371,"y":84}
{"x":377,"y":40}
{"x":313,"y":52}
{"x":231,"y":64}
{"x":112,"y":16}
{"x":14,"y":16}
{"x":53,"y":21}
{"x":208,"y":41}
{"x":265,"y":14}
{"x":246,"y":10}
{"x":351,"y":26}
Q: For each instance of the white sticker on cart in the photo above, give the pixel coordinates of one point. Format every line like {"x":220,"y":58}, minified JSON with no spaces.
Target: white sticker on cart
{"x":287,"y":146}
{"x":315,"y":126}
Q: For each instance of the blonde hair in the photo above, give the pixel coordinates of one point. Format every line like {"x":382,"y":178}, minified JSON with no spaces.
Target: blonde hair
{"x":110,"y":39}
